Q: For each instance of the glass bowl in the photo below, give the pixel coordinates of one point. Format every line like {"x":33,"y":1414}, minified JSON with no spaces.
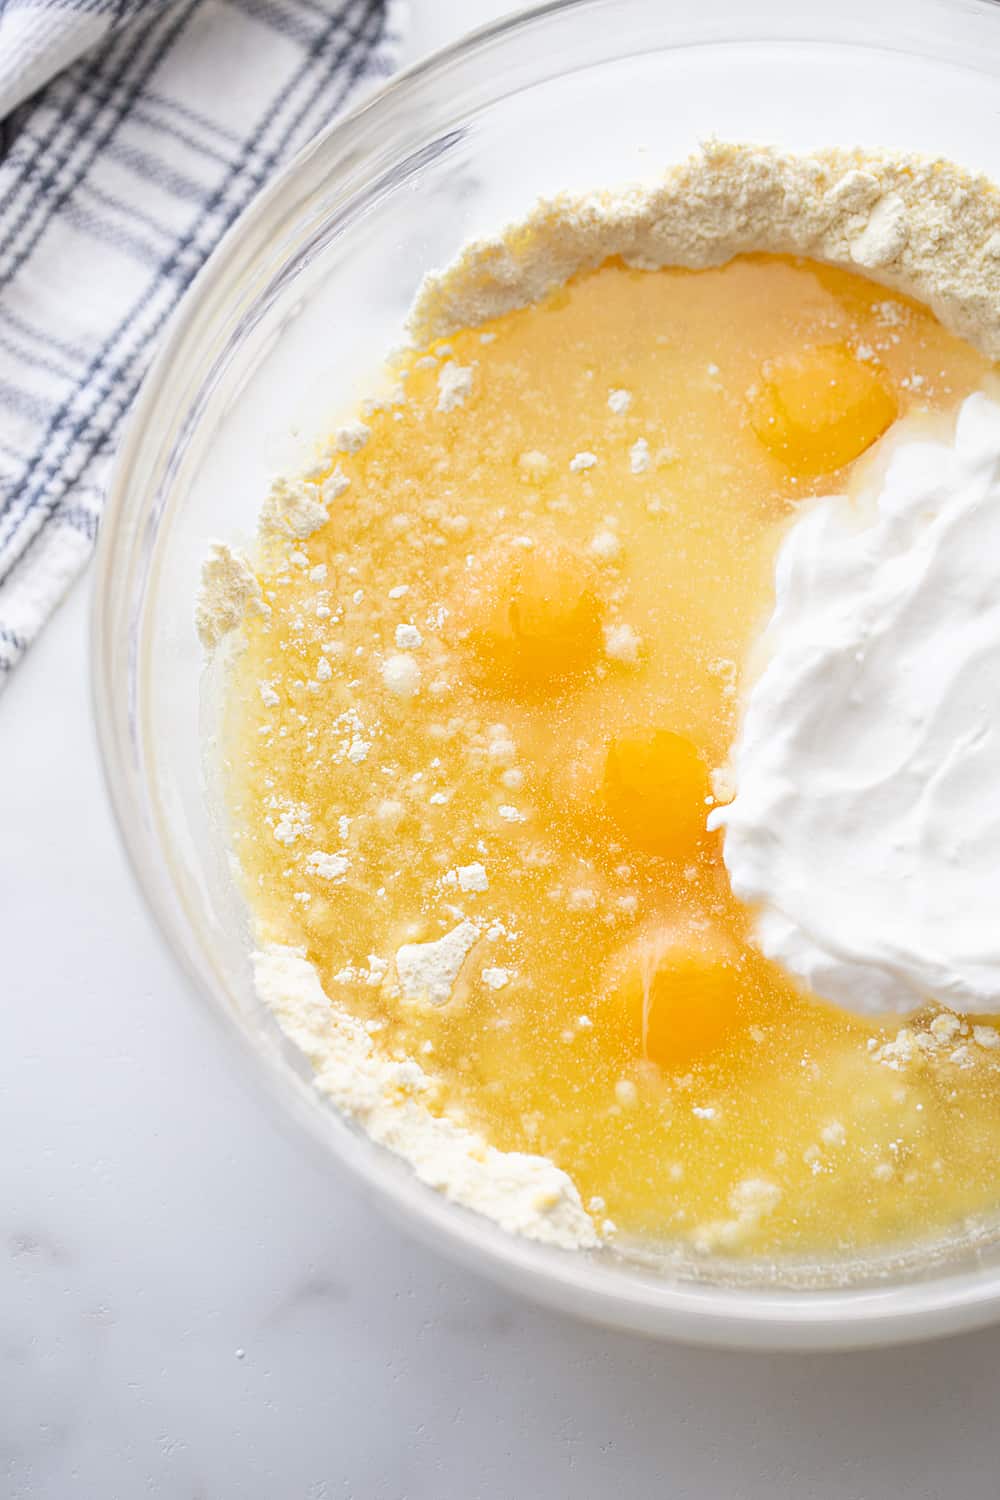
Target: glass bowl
{"x":287,"y":325}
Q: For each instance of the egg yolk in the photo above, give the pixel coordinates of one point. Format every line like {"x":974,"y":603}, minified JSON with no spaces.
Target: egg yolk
{"x":532,"y":616}
{"x":656,"y":789}
{"x":820,"y":408}
{"x":680,"y":995}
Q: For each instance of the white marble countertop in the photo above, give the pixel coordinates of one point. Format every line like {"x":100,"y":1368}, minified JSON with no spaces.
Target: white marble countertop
{"x":191,"y":1309}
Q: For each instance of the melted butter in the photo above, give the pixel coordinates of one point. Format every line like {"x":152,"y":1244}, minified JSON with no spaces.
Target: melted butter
{"x":581,"y":629}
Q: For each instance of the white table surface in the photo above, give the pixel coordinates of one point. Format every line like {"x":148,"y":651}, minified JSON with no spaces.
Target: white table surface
{"x":190,"y":1308}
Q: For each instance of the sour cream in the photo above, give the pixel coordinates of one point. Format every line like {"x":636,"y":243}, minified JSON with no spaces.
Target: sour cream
{"x":866,"y":822}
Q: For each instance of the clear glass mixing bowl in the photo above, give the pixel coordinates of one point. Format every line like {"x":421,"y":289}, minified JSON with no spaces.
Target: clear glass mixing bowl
{"x":285,"y":327}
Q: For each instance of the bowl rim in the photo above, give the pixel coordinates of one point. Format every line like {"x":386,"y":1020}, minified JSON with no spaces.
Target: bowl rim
{"x":692,"y":1312}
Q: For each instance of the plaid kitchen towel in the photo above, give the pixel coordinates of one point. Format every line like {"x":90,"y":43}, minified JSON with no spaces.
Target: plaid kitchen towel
{"x":132,"y":134}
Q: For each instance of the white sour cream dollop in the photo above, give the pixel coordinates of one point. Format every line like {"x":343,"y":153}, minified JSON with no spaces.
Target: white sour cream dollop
{"x":866,"y":822}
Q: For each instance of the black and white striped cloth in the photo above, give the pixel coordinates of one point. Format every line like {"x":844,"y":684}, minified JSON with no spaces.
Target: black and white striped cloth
{"x":132,"y":134}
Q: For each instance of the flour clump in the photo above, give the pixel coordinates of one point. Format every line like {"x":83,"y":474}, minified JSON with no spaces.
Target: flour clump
{"x":918,"y":225}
